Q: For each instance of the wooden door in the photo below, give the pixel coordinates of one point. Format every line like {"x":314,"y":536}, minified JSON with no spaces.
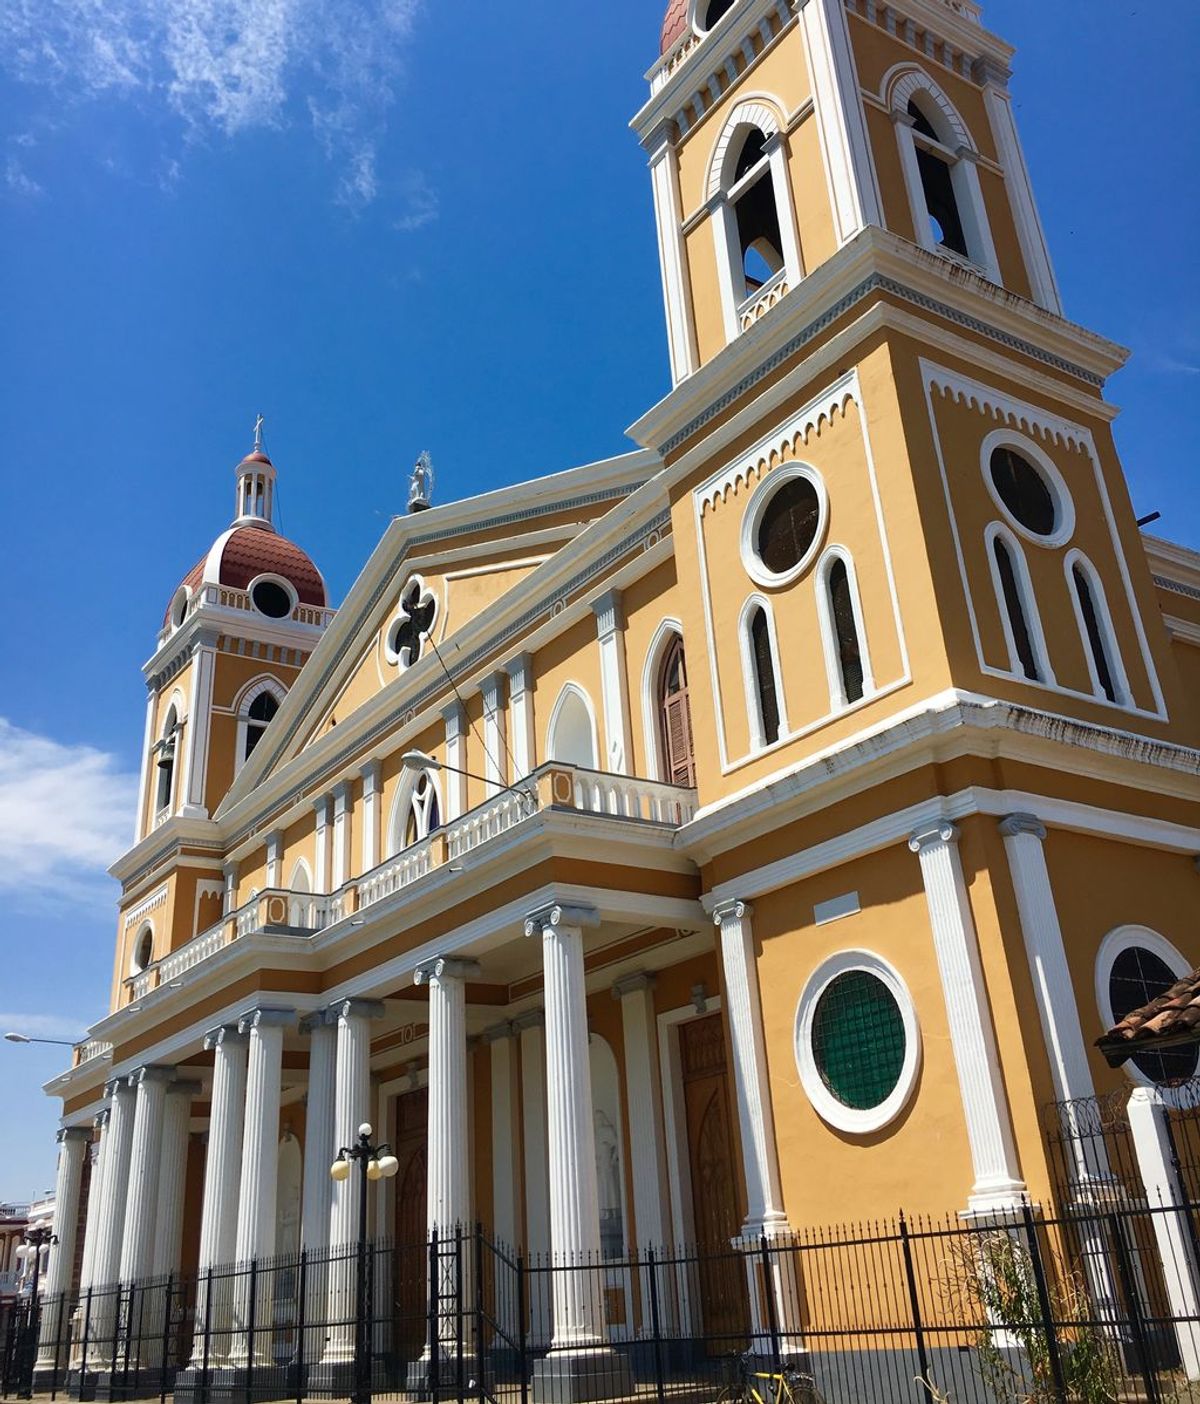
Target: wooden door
{"x":711,"y":1151}
{"x":675,"y":719}
{"x":412,"y":1254}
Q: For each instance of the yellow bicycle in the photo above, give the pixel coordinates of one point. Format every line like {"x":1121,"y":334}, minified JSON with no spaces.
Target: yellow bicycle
{"x":750,"y":1385}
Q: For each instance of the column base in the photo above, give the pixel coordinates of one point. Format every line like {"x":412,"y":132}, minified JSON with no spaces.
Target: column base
{"x":233,"y":1385}
{"x":456,"y":1376}
{"x":577,"y":1376}
{"x":338,"y":1379}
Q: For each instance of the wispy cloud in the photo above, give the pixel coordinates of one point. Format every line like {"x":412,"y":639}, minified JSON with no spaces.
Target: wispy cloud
{"x":423,"y":205}
{"x":19,"y":181}
{"x":65,"y":813}
{"x":41,"y":1025}
{"x":226,"y":66}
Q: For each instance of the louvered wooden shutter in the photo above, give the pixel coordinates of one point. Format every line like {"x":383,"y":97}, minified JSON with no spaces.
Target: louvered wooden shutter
{"x":678,"y":751}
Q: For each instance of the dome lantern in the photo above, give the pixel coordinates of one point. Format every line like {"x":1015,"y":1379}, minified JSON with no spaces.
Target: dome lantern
{"x":255,"y":505}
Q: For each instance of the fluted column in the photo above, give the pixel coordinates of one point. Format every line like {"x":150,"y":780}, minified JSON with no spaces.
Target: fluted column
{"x":449,"y":1194}
{"x":68,"y":1184}
{"x":172,"y":1177}
{"x":110,"y":1223}
{"x":260,"y":1168}
{"x":352,"y":1097}
{"x":319,"y":1151}
{"x":574,"y":1198}
{"x":501,"y":1042}
{"x":760,"y":1157}
{"x":998,"y":1183}
{"x":141,"y":1201}
{"x":222,"y":1183}
{"x":91,"y":1226}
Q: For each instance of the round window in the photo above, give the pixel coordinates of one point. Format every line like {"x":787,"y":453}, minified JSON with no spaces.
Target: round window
{"x":783,"y":525}
{"x":715,"y":10}
{"x":271,"y":599}
{"x":1024,"y":492}
{"x":1138,"y":976}
{"x":858,"y":1040}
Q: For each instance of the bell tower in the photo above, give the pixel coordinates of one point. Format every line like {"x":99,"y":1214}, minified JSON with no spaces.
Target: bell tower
{"x":778,"y":130}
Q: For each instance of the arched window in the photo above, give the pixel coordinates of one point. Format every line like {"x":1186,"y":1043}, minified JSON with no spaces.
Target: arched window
{"x":754,"y":229}
{"x":301,"y":907}
{"x":572,"y":731}
{"x":675,"y":719}
{"x":846,"y":630}
{"x":164,"y":794}
{"x":708,"y":12}
{"x":760,"y":663}
{"x":416,"y":814}
{"x":1022,"y":628}
{"x":142,"y":955}
{"x":1134,"y":966}
{"x":1095,"y":627}
{"x":938,"y":157}
{"x":262,"y":710}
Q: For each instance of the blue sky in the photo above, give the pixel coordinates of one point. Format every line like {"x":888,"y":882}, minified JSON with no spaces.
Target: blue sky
{"x":392,"y":225}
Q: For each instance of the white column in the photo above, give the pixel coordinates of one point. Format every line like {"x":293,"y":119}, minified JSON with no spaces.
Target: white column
{"x":145,"y":1157}
{"x":520,"y":706}
{"x":260,"y":1169}
{"x":230,"y":873}
{"x":449,"y":1185}
{"x":321,"y":845}
{"x":274,"y":858}
{"x":677,"y":293}
{"x":500,"y":1039}
{"x":494,"y":737}
{"x":91,"y":1227}
{"x":574,"y":1197}
{"x":74,"y":1142}
{"x":729,"y":263}
{"x":532,"y":1030}
{"x":643,"y":1103}
{"x":319,"y":1147}
{"x":789,"y":236}
{"x":341,"y":836}
{"x":614,"y":681}
{"x":106,"y":1265}
{"x":964,"y":176}
{"x":372,"y":784}
{"x":998,"y":1183}
{"x":144,"y":817}
{"x":1030,"y":232}
{"x":760,"y":1158}
{"x":456,"y":762}
{"x":352,"y":1108}
{"x":1058,"y":1009}
{"x":841,"y":122}
{"x":172,"y":1177}
{"x":204,"y":663}
{"x":1181,"y":1273}
{"x":222,"y":1183}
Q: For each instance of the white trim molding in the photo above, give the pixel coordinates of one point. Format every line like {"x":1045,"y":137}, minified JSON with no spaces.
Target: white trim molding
{"x":762,"y":497}
{"x":854,"y":1121}
{"x":1041,"y":462}
{"x":997,"y":531}
{"x":577,"y":692}
{"x":1076,"y":560}
{"x":754,"y":706}
{"x":838,"y":700}
{"x":669,"y":628}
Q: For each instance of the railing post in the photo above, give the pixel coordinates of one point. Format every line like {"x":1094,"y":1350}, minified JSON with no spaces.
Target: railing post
{"x":166,"y":1339}
{"x":87,"y":1331}
{"x":1044,"y":1305}
{"x":435,"y":1351}
{"x":251,"y":1313}
{"x":768,"y":1287}
{"x":458,"y":1310}
{"x":1137,"y":1323}
{"x":207,"y":1334}
{"x":914,"y":1301}
{"x":523,"y":1307}
{"x":655,"y":1324}
{"x":301,"y":1303}
{"x":479,"y":1311}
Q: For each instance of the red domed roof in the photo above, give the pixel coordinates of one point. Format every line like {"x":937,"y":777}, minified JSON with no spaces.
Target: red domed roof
{"x":244,"y":553}
{"x":675,"y":24}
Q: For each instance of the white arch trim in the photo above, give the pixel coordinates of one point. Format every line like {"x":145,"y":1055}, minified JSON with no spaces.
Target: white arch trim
{"x":904,"y":81}
{"x":1033,"y":617}
{"x":755,"y":110}
{"x":664,"y":635}
{"x":1116,"y":663}
{"x":838,"y":700}
{"x":1119,"y":939}
{"x":758,"y":740}
{"x":1064,"y":506}
{"x":264,"y":682}
{"x":398,"y":814}
{"x":573,"y":691}
{"x":135,"y":968}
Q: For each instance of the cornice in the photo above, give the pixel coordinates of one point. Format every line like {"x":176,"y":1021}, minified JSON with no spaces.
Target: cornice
{"x":874,"y":264}
{"x":164,"y":843}
{"x":1174,"y":567}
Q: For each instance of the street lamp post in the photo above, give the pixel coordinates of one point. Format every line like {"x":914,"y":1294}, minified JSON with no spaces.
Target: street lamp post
{"x":33,"y":1241}
{"x":375,"y":1163}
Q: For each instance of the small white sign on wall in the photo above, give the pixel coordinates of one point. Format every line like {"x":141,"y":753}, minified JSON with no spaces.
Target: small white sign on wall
{"x":836,"y":908}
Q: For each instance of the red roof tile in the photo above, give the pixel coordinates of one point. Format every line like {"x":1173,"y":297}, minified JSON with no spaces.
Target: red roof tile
{"x":252,"y":551}
{"x":675,"y":24}
{"x":1171,"y":1019}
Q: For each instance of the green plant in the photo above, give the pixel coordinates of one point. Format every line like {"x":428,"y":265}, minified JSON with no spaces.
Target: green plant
{"x":998,"y":1274}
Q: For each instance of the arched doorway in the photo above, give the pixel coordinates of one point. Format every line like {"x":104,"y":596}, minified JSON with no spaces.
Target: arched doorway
{"x":675,"y":718}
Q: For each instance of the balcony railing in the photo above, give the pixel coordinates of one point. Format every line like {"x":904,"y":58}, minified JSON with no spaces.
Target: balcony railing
{"x":89,"y":1049}
{"x":223,"y":597}
{"x":281,"y":912}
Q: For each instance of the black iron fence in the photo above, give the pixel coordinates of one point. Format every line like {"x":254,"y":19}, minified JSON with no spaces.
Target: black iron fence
{"x":1085,"y":1305}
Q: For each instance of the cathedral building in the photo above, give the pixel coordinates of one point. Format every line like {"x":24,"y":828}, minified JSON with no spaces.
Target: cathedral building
{"x":753,"y":831}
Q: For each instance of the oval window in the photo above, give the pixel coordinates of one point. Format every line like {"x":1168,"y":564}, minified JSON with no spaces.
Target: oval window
{"x":1138,"y":976}
{"x":271,"y":599}
{"x":858,"y":1040}
{"x":716,"y":10}
{"x":1024,"y":492}
{"x":788,"y":526}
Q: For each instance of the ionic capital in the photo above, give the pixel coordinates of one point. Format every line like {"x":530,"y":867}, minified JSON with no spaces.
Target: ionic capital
{"x":443,"y":968}
{"x":266,"y":1019}
{"x":1023,"y":824}
{"x":557,"y":915}
{"x":634,"y":983}
{"x":943,"y":832}
{"x":151,"y":1073}
{"x":318,"y":1019}
{"x":357,"y":1009}
{"x":735,"y":910}
{"x":219,"y":1037}
{"x":74,"y":1133}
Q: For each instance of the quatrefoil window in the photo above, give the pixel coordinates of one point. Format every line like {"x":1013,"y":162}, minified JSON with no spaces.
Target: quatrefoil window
{"x":412,"y":625}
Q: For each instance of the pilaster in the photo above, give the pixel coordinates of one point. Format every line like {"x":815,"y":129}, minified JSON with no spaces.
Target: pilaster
{"x":495,"y":740}
{"x":341,"y":861}
{"x":614,"y":681}
{"x":456,"y":762}
{"x":643,"y":1102}
{"x":520,"y":705}
{"x":372,"y":799}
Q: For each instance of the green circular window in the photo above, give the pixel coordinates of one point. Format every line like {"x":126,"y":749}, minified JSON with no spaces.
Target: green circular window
{"x":858,"y":1040}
